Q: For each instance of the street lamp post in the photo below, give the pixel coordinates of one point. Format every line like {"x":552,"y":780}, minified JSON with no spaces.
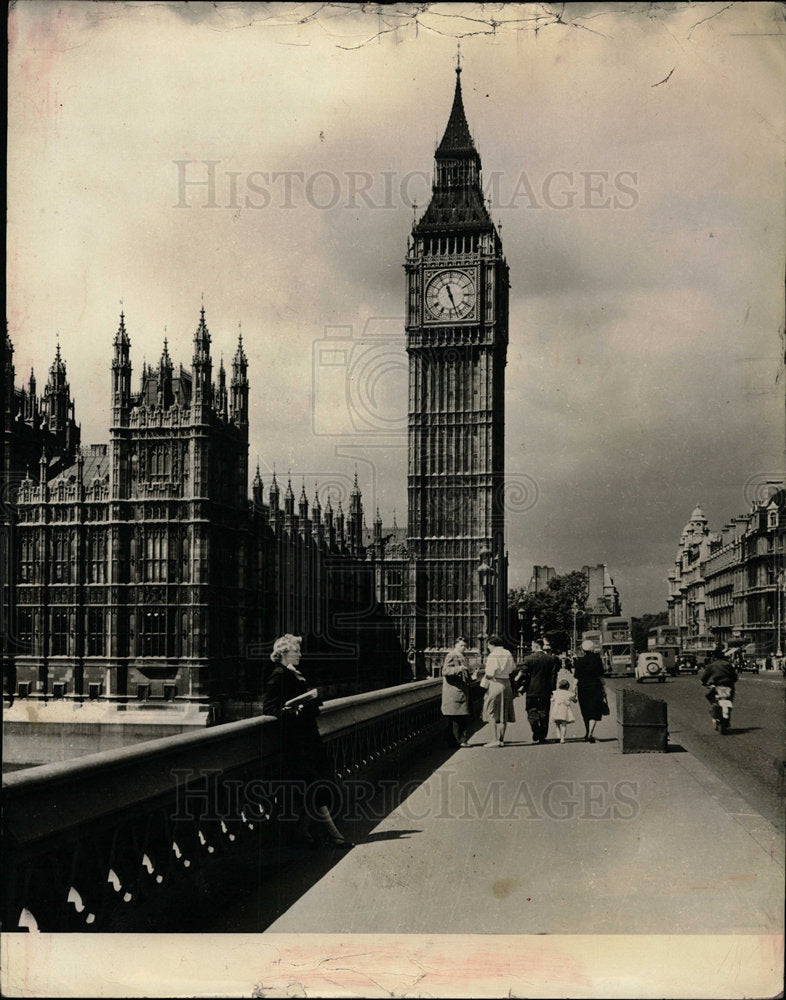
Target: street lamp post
{"x":779,"y":619}
{"x":520,"y":613}
{"x":486,"y":574}
{"x":575,"y":610}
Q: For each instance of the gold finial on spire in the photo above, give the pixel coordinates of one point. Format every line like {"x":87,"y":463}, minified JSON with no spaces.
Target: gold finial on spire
{"x":458,"y":57}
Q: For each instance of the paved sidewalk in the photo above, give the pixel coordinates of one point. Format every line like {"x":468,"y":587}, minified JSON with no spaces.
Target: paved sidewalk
{"x":557,"y":839}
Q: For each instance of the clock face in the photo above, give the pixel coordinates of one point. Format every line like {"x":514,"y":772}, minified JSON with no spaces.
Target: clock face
{"x":450,"y":295}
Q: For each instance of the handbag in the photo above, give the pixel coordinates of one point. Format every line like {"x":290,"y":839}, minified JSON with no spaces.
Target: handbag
{"x":604,"y":708}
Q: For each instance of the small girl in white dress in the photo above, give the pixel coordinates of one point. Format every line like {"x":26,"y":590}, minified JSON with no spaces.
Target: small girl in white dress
{"x":561,"y":711}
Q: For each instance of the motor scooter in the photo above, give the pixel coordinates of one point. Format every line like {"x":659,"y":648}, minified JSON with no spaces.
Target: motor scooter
{"x":722,"y":699}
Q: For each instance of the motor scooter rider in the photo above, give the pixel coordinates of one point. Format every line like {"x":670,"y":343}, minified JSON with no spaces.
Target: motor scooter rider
{"x":720,"y":671}
{"x":720,"y":677}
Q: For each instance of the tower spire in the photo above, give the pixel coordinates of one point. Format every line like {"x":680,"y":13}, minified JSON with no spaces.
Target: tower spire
{"x":457,"y":196}
{"x":457,"y":137}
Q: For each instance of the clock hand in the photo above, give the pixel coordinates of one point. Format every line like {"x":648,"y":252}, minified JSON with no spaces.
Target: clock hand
{"x":450,"y":296}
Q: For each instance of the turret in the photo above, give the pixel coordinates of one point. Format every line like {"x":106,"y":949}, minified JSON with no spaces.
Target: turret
{"x":165,"y":395}
{"x":341,"y":539}
{"x":289,"y":501}
{"x":256,"y":490}
{"x":43,"y":472}
{"x":58,"y":405}
{"x":201,"y":364}
{"x":9,"y":375}
{"x":355,"y":520}
{"x":330,"y":527}
{"x":239,"y":386}
{"x":121,"y":375}
{"x":31,"y":413}
{"x":316,"y":514}
{"x":303,"y":505}
{"x":274,"y":496}
{"x":221,"y":394}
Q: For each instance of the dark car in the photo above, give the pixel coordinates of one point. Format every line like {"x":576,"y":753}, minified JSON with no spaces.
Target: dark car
{"x":687,"y":664}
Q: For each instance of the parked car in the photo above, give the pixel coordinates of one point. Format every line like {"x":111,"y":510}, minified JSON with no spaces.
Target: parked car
{"x":687,"y":664}
{"x":649,"y":667}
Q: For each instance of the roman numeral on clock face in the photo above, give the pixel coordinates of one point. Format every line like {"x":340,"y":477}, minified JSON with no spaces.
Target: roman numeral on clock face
{"x":450,"y":295}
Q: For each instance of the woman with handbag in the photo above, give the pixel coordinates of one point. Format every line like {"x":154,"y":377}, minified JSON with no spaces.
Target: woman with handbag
{"x":590,"y":690}
{"x":306,"y":767}
{"x":498,"y":682}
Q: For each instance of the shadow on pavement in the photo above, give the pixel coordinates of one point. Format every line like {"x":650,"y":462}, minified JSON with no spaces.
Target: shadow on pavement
{"x":377,"y":838}
{"x":269,"y":880}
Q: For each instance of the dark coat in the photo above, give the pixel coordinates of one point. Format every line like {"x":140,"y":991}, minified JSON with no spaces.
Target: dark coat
{"x":588,"y":671}
{"x":539,"y":675}
{"x":304,"y":757}
{"x":719,"y":671}
{"x":455,"y":684}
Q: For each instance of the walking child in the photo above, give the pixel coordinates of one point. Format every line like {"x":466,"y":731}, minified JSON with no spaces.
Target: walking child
{"x":561,"y":711}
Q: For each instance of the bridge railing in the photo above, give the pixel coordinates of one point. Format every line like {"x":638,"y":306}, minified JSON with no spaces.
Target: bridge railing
{"x":112,"y":840}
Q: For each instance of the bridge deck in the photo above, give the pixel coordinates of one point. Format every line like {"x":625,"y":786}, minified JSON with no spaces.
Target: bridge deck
{"x":525,"y":839}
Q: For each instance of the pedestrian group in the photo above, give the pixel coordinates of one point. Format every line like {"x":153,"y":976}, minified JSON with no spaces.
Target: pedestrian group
{"x":550,"y":692}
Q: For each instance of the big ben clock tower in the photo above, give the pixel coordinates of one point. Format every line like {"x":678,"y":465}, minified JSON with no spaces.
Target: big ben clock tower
{"x":457,"y":337}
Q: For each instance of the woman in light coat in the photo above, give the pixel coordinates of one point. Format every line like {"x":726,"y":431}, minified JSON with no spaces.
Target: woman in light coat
{"x":498,"y":703}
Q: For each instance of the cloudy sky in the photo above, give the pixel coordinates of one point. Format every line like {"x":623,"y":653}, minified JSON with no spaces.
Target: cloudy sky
{"x":267,"y":158}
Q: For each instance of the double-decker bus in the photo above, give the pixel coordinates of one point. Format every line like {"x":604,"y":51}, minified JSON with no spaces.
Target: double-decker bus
{"x":663,"y":635}
{"x":595,"y":636}
{"x":701,"y":646}
{"x":617,"y":646}
{"x":665,"y":639}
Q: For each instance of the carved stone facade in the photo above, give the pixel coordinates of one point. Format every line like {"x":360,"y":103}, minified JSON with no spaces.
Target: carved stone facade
{"x":729,"y":586}
{"x":143,"y":573}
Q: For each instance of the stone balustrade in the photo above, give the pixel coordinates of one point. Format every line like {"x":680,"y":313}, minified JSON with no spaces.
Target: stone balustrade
{"x":111,"y":841}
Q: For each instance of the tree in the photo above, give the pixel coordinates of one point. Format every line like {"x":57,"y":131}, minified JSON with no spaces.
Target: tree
{"x":640,"y":628}
{"x":551,"y":608}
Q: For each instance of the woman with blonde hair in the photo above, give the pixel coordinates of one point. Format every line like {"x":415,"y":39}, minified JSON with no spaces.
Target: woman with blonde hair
{"x":305,"y":762}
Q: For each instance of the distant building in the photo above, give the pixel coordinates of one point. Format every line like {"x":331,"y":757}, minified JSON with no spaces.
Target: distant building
{"x":686,"y":598}
{"x":603,"y":599}
{"x":729,"y":585}
{"x":541,"y":576}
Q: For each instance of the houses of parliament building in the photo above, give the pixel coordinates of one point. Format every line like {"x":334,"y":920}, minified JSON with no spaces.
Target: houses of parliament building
{"x":141,"y":570}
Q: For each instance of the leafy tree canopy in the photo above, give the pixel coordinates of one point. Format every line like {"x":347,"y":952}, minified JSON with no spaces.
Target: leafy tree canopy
{"x":551,"y":610}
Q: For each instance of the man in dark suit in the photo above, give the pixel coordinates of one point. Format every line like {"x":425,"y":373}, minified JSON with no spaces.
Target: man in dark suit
{"x":539,"y":679}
